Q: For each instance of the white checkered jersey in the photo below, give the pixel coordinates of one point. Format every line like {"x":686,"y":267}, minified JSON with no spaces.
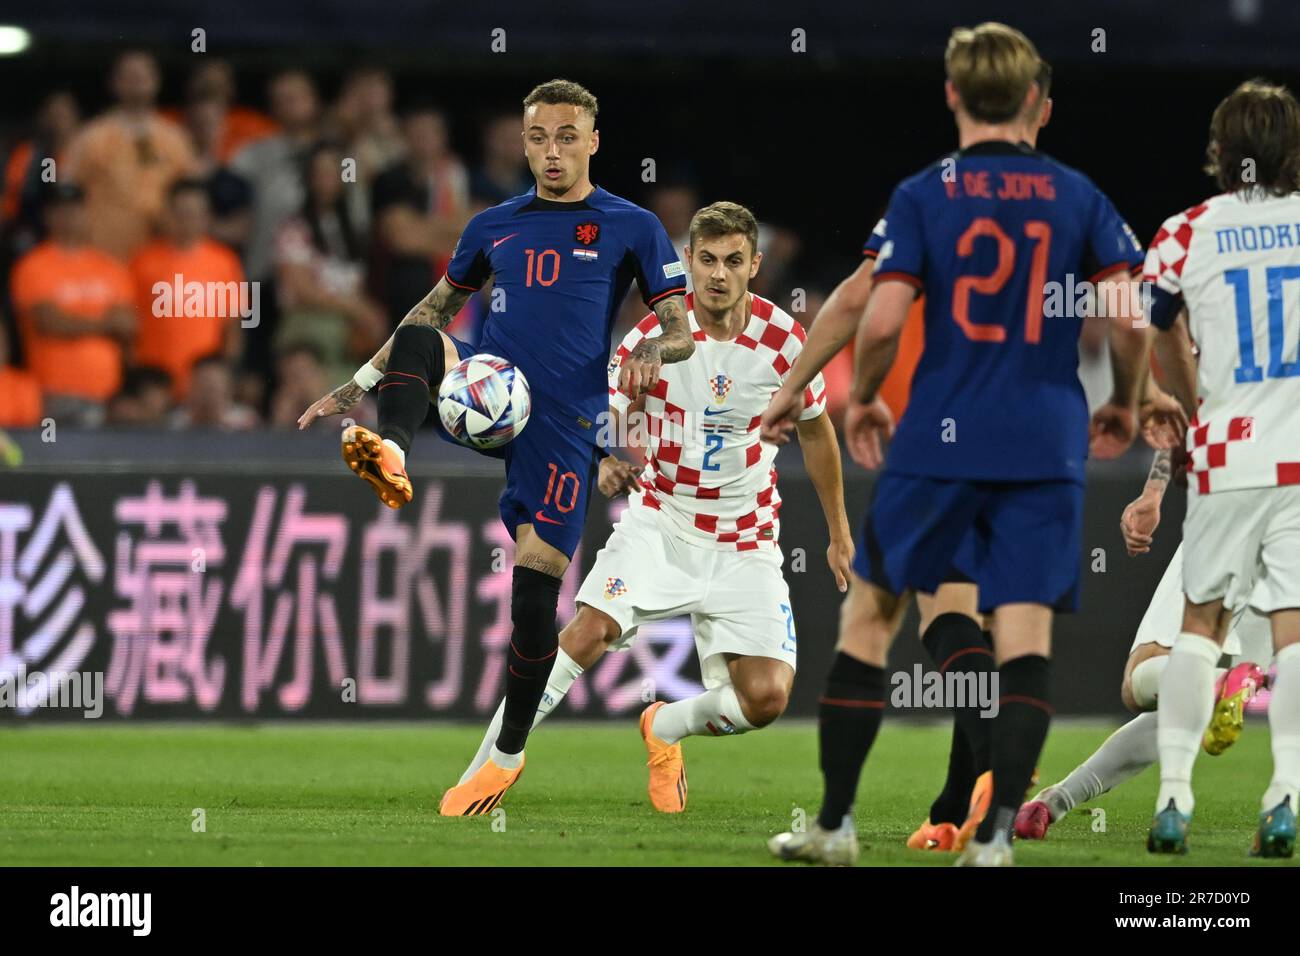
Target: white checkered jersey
{"x":706,"y":469}
{"x":1234,"y":262}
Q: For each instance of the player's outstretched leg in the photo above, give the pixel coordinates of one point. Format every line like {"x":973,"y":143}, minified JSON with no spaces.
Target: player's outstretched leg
{"x":1124,"y":754}
{"x":415,"y":367}
{"x":1128,"y":751}
{"x":850,"y":712}
{"x":1277,"y":819}
{"x":957,"y":645}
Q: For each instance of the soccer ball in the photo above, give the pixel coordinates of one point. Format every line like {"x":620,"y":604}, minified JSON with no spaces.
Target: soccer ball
{"x":484,"y":401}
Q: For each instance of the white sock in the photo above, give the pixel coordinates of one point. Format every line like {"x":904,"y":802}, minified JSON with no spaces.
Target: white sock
{"x":504,"y":760}
{"x":1124,"y":754}
{"x":401,"y":455}
{"x":1186,"y":705}
{"x":1284,"y":729}
{"x":715,"y":712}
{"x":1145,"y":681}
{"x":564,"y":672}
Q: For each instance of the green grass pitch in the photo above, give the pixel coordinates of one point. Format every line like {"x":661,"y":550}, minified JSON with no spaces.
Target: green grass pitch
{"x":333,"y":794}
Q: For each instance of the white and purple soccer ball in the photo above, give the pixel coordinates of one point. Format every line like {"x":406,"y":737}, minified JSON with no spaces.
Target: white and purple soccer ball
{"x":484,"y":402}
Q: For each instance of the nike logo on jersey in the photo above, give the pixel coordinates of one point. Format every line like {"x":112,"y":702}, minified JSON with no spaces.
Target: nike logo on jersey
{"x":716,"y":411}
{"x":541,"y":517}
{"x":497,"y":242}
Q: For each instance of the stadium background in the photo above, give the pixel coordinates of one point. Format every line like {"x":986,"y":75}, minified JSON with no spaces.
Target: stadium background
{"x":241,"y":573}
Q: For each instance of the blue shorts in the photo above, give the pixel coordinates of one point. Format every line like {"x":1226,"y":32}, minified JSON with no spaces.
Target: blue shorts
{"x":1018,"y":541}
{"x":550,"y":470}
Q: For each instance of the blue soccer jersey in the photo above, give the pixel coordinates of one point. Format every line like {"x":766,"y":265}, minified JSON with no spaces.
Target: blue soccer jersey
{"x":560,"y":271}
{"x":1002,"y":240}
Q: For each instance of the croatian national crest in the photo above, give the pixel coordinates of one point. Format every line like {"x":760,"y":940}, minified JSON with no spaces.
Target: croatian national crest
{"x":586,"y":233}
{"x":614,"y":587}
{"x":720,"y":386}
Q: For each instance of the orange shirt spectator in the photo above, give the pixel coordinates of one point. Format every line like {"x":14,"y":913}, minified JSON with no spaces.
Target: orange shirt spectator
{"x":176,"y":339}
{"x":86,"y":285}
{"x":126,"y":159}
{"x":126,"y":167}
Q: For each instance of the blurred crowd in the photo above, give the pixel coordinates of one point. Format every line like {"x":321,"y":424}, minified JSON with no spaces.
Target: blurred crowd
{"x":334,"y":217}
{"x":338,"y":216}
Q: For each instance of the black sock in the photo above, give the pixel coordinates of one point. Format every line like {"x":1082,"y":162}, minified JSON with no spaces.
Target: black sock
{"x":956,"y":645}
{"x":534,"y":599}
{"x":850,"y":714}
{"x":953,"y":801}
{"x":414,"y":371}
{"x":1019,"y":730}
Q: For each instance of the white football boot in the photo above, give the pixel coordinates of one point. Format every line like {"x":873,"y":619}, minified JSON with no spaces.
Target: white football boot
{"x":816,"y":845}
{"x":997,"y":852}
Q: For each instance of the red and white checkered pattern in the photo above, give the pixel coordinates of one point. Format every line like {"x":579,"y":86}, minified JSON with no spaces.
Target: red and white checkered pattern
{"x":1246,"y":433}
{"x":706,"y":468}
{"x":1167,"y":254}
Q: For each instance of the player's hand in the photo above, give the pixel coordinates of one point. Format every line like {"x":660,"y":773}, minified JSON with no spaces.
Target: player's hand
{"x":1113,"y":429}
{"x":617,"y":477}
{"x":778,"y":421}
{"x":840,"y":558}
{"x":640,"y":371}
{"x":863,"y":427}
{"x":1138,"y":523}
{"x":335,"y":403}
{"x":1164,"y":421}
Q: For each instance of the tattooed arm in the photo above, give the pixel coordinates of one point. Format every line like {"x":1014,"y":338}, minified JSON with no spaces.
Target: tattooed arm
{"x":640,"y":371}
{"x":435,"y":310}
{"x":1140,"y":518}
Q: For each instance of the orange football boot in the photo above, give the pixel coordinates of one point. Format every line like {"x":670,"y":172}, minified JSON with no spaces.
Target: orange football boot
{"x":367,"y":455}
{"x":481,"y":793}
{"x":933,"y":836}
{"x":667,"y":768}
{"x":981,"y":796}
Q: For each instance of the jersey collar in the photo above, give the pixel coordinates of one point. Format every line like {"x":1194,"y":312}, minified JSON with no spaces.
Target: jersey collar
{"x":538,"y":204}
{"x":997,"y":147}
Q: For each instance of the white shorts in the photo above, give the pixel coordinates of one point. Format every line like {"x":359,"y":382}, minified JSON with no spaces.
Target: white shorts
{"x":738,"y":601}
{"x":1250,"y":636}
{"x":1244,"y":547}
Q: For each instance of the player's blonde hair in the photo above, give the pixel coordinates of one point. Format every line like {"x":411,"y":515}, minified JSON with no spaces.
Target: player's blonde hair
{"x":992,"y":67}
{"x":725,"y":219}
{"x":1044,"y":80}
{"x":1255,"y":139}
{"x":563,"y":92}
